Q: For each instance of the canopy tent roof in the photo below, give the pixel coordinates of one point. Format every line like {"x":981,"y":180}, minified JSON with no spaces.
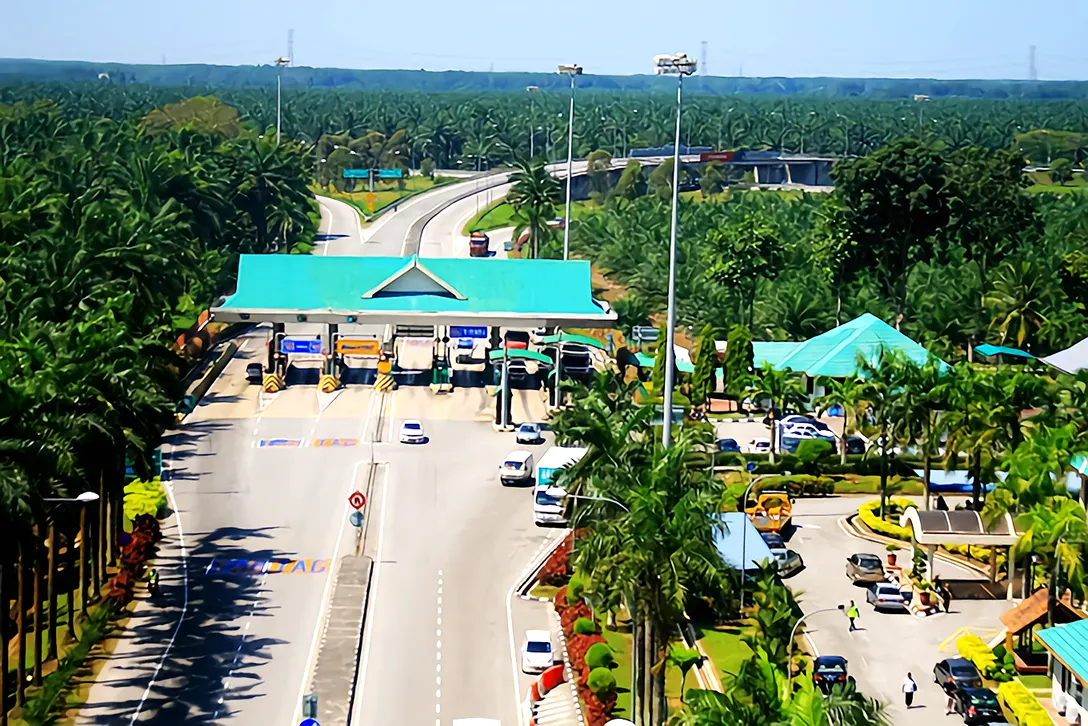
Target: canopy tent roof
{"x":1070,"y":360}
{"x":739,"y":533}
{"x":990,"y":350}
{"x":519,"y":354}
{"x":645,"y":361}
{"x":1069,"y":644}
{"x":563,"y":337}
{"x":939,"y":527}
{"x":406,"y":290}
{"x":835,"y":353}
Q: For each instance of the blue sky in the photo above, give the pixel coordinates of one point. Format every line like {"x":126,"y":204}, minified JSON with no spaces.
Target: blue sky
{"x":921,"y":38}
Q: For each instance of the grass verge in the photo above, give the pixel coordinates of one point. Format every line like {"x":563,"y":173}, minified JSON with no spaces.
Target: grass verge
{"x":725,"y":648}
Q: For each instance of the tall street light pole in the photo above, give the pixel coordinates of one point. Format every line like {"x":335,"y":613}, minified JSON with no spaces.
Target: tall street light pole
{"x":744,"y":529}
{"x":679,"y":65}
{"x":793,"y":633}
{"x":280,"y":63}
{"x":573,"y":70}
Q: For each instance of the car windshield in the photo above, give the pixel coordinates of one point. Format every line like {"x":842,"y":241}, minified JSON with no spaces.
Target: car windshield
{"x":963,"y":671}
{"x":535,"y":646}
{"x":513,"y":465}
{"x":528,"y":429}
{"x":870,"y":563}
{"x":887,"y":590}
{"x":542,"y":497}
{"x":412,"y":426}
{"x":983,"y":699}
{"x":773,"y":541}
{"x":831,"y":669}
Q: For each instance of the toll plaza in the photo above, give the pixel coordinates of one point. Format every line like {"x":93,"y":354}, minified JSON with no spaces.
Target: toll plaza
{"x":411,"y":321}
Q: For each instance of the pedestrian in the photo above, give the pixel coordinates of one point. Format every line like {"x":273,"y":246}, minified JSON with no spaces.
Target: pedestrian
{"x":946,"y":598}
{"x":909,"y":687}
{"x":153,"y":582}
{"x":949,"y":689}
{"x":942,"y":505}
{"x":852,"y":613}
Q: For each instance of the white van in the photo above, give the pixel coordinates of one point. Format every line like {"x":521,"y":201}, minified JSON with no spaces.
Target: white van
{"x":549,"y":506}
{"x":516,"y":468}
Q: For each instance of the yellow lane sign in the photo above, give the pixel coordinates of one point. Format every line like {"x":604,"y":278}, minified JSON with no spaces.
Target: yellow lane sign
{"x":367,"y":347}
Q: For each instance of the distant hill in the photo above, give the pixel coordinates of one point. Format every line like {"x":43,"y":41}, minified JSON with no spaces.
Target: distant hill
{"x":14,"y":70}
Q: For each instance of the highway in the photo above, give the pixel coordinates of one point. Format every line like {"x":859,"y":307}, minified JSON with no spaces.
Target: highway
{"x":260,"y":498}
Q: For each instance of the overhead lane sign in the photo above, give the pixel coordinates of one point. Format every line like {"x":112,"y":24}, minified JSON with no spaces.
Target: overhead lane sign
{"x":300,"y":345}
{"x":467,"y":331}
{"x":363,"y":347}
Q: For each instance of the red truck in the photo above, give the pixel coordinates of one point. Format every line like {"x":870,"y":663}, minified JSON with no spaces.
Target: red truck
{"x":478,"y":245}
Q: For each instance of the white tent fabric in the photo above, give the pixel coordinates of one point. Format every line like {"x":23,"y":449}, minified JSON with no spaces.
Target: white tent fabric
{"x":1070,"y":360}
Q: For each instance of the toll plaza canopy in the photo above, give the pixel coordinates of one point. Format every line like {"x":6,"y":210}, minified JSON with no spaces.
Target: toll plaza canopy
{"x":410,"y":290}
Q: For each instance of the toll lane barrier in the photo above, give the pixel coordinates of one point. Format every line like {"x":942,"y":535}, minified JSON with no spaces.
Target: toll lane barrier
{"x":270,"y":567}
{"x":328,"y":383}
{"x":272,"y":383}
{"x":384,"y":382}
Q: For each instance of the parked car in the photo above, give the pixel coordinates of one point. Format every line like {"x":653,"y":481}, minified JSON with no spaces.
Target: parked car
{"x":760,"y":445}
{"x":529,"y":433}
{"x":855,"y":445}
{"x":797,"y":418}
{"x":886,"y":596}
{"x":789,"y":443}
{"x":536,"y":651}
{"x":806,"y":431}
{"x":729,"y":446}
{"x":976,"y":705}
{"x":411,"y":432}
{"x":789,"y":562}
{"x":864,"y":567}
{"x":517,"y":468}
{"x":255,"y":373}
{"x":961,"y":672}
{"x":827,"y":670}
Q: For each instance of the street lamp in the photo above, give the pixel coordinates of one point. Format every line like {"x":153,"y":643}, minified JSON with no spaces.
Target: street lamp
{"x":532,"y":91}
{"x":586,"y":497}
{"x":573,"y":70}
{"x":280,"y":63}
{"x":793,"y":633}
{"x":679,"y":65}
{"x":84,"y":498}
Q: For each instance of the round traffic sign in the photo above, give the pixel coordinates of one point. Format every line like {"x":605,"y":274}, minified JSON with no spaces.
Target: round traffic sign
{"x":356,"y":519}
{"x":310,"y":722}
{"x":357,"y":500}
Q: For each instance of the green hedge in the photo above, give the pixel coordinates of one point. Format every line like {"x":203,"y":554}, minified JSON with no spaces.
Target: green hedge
{"x":601,"y":682}
{"x":585,"y":626}
{"x":855,"y":464}
{"x":1025,"y":707}
{"x":599,"y":655}
{"x":868,"y":515}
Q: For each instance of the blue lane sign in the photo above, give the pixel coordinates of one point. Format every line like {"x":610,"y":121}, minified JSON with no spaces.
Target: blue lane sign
{"x":310,"y":722}
{"x":378,"y":173}
{"x":300,"y":345}
{"x":356,"y":173}
{"x":356,"y":519}
{"x":464,"y":331}
{"x":390,"y":173}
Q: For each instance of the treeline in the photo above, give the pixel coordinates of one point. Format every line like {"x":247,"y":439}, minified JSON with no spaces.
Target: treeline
{"x":946,"y":245}
{"x":487,"y":129}
{"x":114,"y":232}
{"x":302,"y":77}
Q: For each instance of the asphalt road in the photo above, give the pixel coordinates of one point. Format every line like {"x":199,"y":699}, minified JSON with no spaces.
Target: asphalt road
{"x":887,"y":645}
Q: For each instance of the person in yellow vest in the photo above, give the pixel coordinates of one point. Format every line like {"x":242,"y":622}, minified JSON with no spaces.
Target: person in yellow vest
{"x":852,"y":613}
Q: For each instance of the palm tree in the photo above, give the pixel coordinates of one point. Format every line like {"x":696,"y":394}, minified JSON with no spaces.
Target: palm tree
{"x":1055,"y":530}
{"x":784,"y":391}
{"x":1019,"y":301}
{"x":884,"y":382}
{"x":534,"y":195}
{"x":847,"y":394}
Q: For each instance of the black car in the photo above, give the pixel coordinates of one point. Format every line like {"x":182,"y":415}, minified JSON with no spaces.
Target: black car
{"x":255,"y":373}
{"x":827,"y":670}
{"x":855,"y":445}
{"x":960,"y":672}
{"x":977,"y":705}
{"x":729,"y":446}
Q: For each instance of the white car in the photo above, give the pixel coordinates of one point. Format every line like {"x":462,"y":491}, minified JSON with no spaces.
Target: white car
{"x":516,"y":468}
{"x":761,"y":445}
{"x":886,"y":596}
{"x":529,"y":433}
{"x":788,"y":561}
{"x":536,"y":651}
{"x":411,"y":432}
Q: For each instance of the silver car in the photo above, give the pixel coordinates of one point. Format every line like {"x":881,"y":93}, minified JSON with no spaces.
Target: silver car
{"x":865,"y":568}
{"x":529,"y":433}
{"x":886,"y":596}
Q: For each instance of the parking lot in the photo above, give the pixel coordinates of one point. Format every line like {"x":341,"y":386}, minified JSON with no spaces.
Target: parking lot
{"x":887,"y":645}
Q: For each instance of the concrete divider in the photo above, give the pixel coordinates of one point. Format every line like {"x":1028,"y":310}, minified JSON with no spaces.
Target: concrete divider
{"x":192,"y":398}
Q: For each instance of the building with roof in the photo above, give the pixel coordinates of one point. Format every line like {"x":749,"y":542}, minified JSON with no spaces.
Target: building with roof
{"x":1068,"y":648}
{"x":739,"y":541}
{"x":1023,"y":621}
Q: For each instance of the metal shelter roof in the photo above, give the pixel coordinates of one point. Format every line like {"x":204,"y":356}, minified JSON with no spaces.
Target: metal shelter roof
{"x":938,"y":527}
{"x":835,"y":353}
{"x":990,"y":350}
{"x":406,"y":290}
{"x":1069,"y":644}
{"x":738,"y":531}
{"x":645,"y":361}
{"x":519,"y":354}
{"x":563,"y":337}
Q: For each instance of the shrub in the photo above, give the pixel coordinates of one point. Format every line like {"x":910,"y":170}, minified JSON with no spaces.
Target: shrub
{"x":599,"y":655}
{"x":585,"y":626}
{"x":144,"y":497}
{"x":575,"y":587}
{"x":810,"y":451}
{"x":1025,"y":707}
{"x":868,"y":515}
{"x":556,"y":571}
{"x":601,"y":682}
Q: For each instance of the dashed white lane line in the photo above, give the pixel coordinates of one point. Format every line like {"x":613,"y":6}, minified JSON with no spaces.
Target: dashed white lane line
{"x":438,"y":653}
{"x":242,"y":642}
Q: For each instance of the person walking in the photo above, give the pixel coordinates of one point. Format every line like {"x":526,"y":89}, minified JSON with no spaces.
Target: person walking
{"x":946,"y":598}
{"x":909,"y":687}
{"x":949,"y":689}
{"x":852,"y":613}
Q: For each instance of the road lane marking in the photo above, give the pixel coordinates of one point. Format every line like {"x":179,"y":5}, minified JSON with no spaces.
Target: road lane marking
{"x":371,"y":605}
{"x":513,"y":651}
{"x":185,"y":592}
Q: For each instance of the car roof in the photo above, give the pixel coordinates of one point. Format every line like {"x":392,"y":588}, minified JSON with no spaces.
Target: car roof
{"x":518,"y":455}
{"x":528,"y":423}
{"x":830,"y":659}
{"x":412,"y":421}
{"x":959,"y":662}
{"x":979,"y":692}
{"x":859,"y":555}
{"x":540,"y":635}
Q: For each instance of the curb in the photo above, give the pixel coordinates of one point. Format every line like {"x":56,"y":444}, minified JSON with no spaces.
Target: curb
{"x":528,"y":576}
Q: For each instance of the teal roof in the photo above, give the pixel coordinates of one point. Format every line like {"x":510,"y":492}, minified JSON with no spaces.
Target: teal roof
{"x":519,"y":354}
{"x":562,"y":337}
{"x":1069,"y":644}
{"x":645,"y":361}
{"x":987,"y":350}
{"x":278,"y":288}
{"x":771,"y":352}
{"x":835,"y":353}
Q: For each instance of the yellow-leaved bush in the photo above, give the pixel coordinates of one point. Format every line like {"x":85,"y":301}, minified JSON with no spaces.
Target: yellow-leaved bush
{"x":144,"y":497}
{"x":1025,"y":707}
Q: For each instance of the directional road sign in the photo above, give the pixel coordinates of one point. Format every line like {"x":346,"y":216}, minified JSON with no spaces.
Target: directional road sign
{"x":365,"y":347}
{"x":310,"y":722}
{"x":356,"y":519}
{"x":467,"y":331}
{"x":356,"y":173}
{"x":300,"y":345}
{"x":643,"y":334}
{"x":357,"y":500}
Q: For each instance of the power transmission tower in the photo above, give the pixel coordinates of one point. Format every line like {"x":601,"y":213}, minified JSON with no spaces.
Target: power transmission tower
{"x":1033,"y":73}
{"x":702,"y":59}
{"x":291,"y":46}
